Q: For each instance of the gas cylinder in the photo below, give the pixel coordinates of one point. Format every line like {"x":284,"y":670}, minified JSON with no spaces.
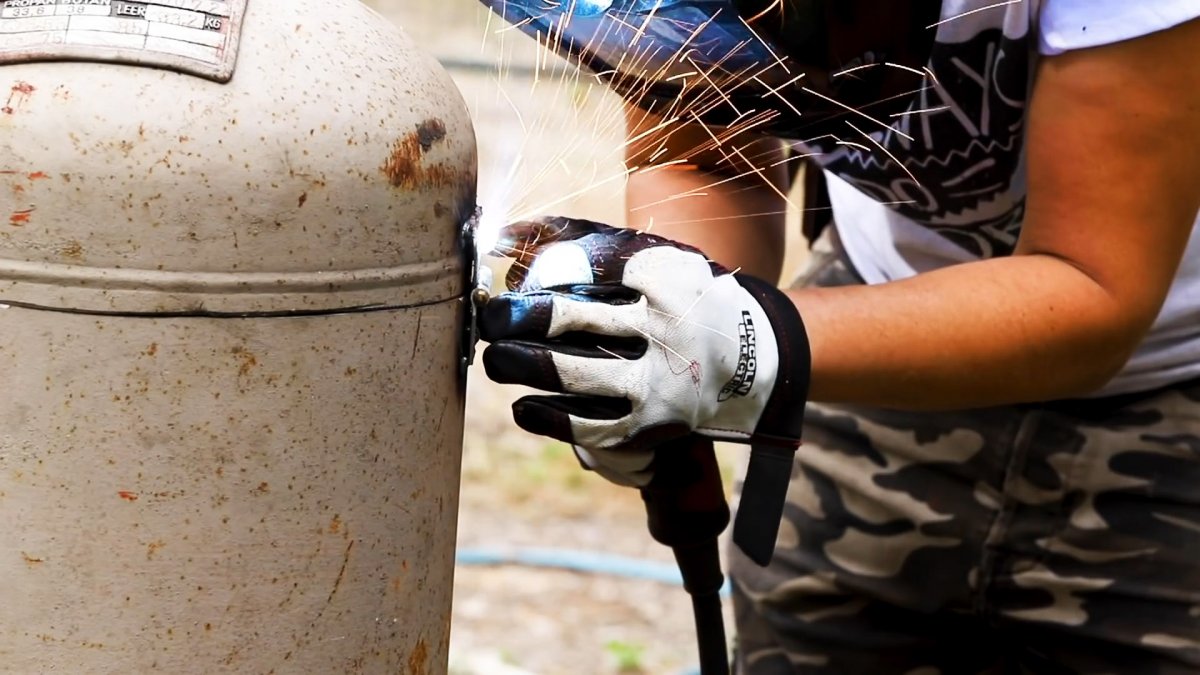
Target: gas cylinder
{"x":231,"y":282}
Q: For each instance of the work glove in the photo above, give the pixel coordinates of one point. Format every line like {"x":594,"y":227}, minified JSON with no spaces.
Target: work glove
{"x":644,"y":340}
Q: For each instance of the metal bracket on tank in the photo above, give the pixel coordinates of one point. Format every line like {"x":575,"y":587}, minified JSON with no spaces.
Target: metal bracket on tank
{"x":476,"y":288}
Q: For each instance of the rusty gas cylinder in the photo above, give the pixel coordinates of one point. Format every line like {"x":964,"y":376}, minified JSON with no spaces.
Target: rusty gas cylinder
{"x":230,"y":301}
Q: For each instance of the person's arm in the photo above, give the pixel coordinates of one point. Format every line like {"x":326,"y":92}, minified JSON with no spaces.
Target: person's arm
{"x":1114,"y":165}
{"x":1114,"y":176}
{"x":736,"y":209}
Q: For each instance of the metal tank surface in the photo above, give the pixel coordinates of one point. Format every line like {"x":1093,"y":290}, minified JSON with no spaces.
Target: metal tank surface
{"x":231,"y":281}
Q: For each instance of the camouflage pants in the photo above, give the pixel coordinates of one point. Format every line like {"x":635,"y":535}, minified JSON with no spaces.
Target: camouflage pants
{"x":1062,"y":538}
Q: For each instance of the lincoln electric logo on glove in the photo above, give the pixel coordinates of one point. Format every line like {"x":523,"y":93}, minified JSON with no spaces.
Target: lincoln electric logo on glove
{"x":743,"y":377}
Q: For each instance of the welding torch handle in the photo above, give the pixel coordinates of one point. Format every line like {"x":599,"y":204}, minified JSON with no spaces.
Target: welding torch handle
{"x":686,"y":510}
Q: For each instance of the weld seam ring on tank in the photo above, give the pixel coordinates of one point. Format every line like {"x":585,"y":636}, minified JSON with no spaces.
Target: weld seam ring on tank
{"x":204,"y":313}
{"x":67,"y":288}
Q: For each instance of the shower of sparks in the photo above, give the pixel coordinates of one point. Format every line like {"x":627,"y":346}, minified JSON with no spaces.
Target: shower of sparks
{"x":777,"y":4}
{"x":857,"y":112}
{"x":855,"y":69}
{"x":550,"y":163}
{"x":641,"y":31}
{"x":693,"y":323}
{"x":974,"y":11}
{"x":667,"y":348}
{"x":879,"y":145}
{"x":922,"y":111}
{"x":700,"y":297}
{"x":611,"y":353}
{"x":852,"y":144}
{"x":717,"y":219}
{"x":900,"y":66}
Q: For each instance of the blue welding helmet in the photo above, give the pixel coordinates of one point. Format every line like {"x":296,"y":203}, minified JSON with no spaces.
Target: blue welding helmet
{"x":797,"y":67}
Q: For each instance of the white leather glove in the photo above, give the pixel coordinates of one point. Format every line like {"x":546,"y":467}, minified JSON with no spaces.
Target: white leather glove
{"x":646,"y":340}
{"x":627,"y":468}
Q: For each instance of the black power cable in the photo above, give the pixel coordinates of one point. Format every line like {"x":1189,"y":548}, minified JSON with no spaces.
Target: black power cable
{"x":686,"y":510}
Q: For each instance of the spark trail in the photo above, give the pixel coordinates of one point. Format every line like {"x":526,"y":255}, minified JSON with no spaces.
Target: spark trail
{"x":573,"y":152}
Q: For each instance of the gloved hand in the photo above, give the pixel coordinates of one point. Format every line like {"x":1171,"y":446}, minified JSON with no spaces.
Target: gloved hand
{"x":625,"y":467}
{"x":646,"y":340}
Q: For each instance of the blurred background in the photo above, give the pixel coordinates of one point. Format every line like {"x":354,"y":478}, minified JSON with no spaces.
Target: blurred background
{"x":548,"y":143}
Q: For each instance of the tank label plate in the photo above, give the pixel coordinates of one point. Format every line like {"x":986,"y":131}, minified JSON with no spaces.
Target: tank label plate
{"x":193,"y":36}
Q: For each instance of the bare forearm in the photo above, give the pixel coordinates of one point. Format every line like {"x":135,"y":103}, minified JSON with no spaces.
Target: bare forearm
{"x":740,"y":224}
{"x":978,"y":334}
{"x":1097,"y":255}
{"x":726,"y":202}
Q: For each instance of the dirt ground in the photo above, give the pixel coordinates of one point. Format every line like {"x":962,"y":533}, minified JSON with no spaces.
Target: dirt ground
{"x":520,"y":492}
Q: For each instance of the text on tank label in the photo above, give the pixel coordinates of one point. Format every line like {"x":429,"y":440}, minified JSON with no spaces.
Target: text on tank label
{"x":199,"y":37}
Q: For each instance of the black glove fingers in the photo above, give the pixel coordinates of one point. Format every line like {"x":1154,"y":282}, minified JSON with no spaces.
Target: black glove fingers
{"x":532,"y":363}
{"x":551,"y":415}
{"x":530,"y":315}
{"x":517,"y":316}
{"x":520,"y":362}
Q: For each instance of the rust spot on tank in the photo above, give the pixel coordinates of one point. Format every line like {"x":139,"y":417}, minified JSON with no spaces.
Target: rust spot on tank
{"x":72,"y":249}
{"x":335,"y":525}
{"x":30,"y":560}
{"x":247,"y":358}
{"x":404,"y":165}
{"x":429,"y":132}
{"x":152,"y":349}
{"x":20,"y":218}
{"x":127,"y":495}
{"x":303,"y":198}
{"x":263,"y":488}
{"x":418,"y":660}
{"x":17,"y":96}
{"x":38,"y":175}
{"x":153,"y":548}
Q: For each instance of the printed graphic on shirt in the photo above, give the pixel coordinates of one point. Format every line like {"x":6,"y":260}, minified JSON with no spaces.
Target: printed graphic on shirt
{"x":960,"y":143}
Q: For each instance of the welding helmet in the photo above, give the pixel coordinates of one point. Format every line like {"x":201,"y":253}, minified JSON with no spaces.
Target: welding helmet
{"x":793,"y":68}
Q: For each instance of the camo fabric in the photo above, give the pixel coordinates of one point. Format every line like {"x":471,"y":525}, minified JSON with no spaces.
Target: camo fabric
{"x":1062,"y":538}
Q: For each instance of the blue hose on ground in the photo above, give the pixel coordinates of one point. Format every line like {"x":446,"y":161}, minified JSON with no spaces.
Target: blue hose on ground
{"x":577,"y":561}
{"x":585,"y":562}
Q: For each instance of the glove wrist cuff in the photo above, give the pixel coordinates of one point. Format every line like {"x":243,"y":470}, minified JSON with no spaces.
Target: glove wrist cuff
{"x":782,"y":418}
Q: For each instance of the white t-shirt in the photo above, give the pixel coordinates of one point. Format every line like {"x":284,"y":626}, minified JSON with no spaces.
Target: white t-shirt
{"x":967,"y":155}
